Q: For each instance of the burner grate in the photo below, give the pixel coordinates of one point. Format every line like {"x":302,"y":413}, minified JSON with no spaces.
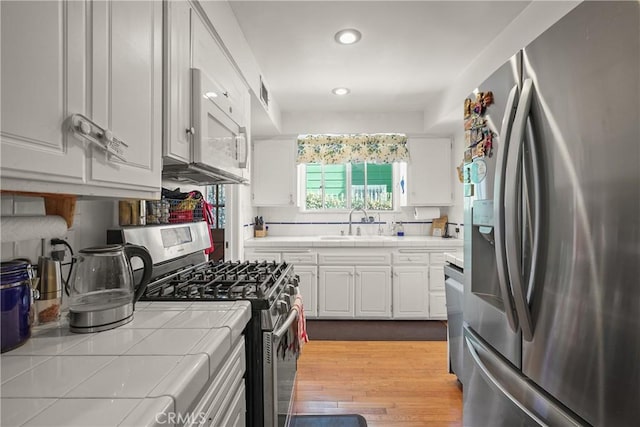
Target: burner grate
{"x":220,"y":281}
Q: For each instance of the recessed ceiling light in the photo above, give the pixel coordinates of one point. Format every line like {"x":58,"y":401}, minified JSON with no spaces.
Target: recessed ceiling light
{"x":348,"y":36}
{"x":340,"y":91}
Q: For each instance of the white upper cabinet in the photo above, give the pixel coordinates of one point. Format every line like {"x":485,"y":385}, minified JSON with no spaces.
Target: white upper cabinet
{"x":56,"y":62}
{"x":127,"y":90}
{"x":177,"y":89}
{"x":210,"y":58}
{"x":207,"y":104}
{"x":43,"y":83}
{"x":274,"y":173}
{"x":429,"y":173}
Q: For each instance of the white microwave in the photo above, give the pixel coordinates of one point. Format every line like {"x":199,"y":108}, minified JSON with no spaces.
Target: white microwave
{"x":219,"y":146}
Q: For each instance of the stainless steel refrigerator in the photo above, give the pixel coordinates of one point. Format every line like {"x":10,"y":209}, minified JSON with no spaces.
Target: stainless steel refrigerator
{"x":552,"y":231}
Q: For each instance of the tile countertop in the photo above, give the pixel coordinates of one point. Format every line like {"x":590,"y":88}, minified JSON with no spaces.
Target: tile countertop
{"x":353,"y":241}
{"x":455,"y":258}
{"x":129,"y":376}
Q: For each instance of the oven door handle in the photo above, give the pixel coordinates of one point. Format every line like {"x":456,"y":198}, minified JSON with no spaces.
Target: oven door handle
{"x":279,"y":333}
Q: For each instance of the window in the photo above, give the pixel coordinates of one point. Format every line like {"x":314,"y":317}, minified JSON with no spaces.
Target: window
{"x":216,"y":197}
{"x":347,"y":186}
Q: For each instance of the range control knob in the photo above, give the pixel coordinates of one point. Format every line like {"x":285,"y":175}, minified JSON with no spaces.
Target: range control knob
{"x":290,"y":289}
{"x":283,"y":307}
{"x":287,"y":299}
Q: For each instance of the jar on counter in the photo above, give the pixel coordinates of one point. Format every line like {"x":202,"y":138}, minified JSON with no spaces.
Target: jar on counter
{"x":15,"y":303}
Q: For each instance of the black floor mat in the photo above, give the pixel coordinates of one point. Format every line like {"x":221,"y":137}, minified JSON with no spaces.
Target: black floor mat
{"x":328,"y":421}
{"x":377,"y":330}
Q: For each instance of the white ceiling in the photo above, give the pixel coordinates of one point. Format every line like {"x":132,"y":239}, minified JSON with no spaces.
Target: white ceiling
{"x":410,"y":51}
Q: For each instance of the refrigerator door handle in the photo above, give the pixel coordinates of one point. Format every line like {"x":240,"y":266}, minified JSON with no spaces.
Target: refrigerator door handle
{"x":511,"y":211}
{"x":498,"y":209}
{"x":516,"y":387}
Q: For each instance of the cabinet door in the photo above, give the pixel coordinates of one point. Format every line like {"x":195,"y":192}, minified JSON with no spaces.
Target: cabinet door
{"x":177,"y":80}
{"x":43,"y":54}
{"x":127,"y":90}
{"x":261,"y":255}
{"x":437,"y":306}
{"x":373,"y":292}
{"x":210,"y":58}
{"x":436,"y":278}
{"x":336,"y":292}
{"x":274,"y":173}
{"x":410,"y":293}
{"x":308,"y":288}
{"x":429,"y":174}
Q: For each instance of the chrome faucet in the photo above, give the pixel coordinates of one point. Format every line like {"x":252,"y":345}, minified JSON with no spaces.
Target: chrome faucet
{"x":351,"y":213}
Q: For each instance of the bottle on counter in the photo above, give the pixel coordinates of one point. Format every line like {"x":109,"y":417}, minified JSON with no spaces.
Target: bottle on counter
{"x":399,"y":229}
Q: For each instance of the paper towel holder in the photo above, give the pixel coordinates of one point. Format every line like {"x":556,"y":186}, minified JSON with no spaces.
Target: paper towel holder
{"x":63,"y":205}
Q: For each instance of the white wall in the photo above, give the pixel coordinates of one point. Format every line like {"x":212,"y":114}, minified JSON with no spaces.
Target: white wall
{"x":446,"y":117}
{"x":533,"y":21}
{"x":352,"y":122}
{"x":91,"y":220}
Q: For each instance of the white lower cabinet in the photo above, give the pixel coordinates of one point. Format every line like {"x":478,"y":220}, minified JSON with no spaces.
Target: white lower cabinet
{"x":308,"y":287}
{"x":373,"y":292}
{"x":437,"y":306}
{"x":261,"y":255}
{"x":336,"y":292}
{"x":437,"y":301}
{"x":223,"y":401}
{"x":410,"y":292}
{"x":361,"y":292}
{"x":365,"y":283}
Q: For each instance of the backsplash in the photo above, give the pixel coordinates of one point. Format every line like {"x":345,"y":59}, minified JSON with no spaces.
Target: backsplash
{"x":292,"y":222}
{"x":92,"y":219}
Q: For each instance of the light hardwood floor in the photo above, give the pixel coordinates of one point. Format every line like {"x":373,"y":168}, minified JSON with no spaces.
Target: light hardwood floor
{"x":390,"y":383}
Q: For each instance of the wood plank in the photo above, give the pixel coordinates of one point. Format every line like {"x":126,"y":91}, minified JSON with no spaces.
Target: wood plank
{"x":390,"y":383}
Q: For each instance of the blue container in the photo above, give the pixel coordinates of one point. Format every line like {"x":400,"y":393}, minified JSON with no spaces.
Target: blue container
{"x":15,"y":304}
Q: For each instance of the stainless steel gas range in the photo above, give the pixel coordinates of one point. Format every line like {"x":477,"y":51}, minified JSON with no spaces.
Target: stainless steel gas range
{"x":181,"y":272}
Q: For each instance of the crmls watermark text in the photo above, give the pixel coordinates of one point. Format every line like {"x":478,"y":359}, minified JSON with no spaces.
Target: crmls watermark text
{"x":188,"y":418}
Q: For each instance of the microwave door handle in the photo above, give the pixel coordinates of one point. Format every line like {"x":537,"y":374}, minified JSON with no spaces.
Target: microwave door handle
{"x":241,"y":147}
{"x":514,"y":170}
{"x":498,"y":209}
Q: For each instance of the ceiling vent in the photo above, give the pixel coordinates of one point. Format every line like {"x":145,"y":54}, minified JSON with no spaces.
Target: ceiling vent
{"x":264,"y":93}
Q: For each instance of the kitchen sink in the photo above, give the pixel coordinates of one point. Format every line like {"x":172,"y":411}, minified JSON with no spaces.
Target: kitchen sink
{"x":354,"y":237}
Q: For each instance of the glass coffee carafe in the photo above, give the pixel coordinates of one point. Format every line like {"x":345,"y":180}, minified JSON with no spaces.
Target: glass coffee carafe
{"x":102,"y":290}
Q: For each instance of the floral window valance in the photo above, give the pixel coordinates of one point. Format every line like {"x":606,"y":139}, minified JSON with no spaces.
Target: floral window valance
{"x":353,"y":148}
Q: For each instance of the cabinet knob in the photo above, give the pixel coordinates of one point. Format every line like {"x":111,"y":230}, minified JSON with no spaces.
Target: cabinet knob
{"x":231,"y":109}
{"x":226,"y":94}
{"x":191,"y":131}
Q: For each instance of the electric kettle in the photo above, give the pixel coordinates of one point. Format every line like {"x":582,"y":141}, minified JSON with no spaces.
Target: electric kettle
{"x":102,"y":291}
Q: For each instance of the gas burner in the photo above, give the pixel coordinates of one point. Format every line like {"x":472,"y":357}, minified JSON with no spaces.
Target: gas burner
{"x":221,"y":281}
